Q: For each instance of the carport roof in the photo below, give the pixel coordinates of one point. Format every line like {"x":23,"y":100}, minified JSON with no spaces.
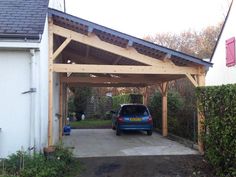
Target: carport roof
{"x":123,"y":40}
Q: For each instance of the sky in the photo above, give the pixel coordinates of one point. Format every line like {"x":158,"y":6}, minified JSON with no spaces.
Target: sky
{"x":148,"y":17}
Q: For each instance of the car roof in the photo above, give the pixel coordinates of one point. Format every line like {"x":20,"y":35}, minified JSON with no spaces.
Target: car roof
{"x":129,"y":104}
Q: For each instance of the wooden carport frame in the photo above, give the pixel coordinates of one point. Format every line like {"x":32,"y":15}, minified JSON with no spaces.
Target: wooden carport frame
{"x":164,"y":66}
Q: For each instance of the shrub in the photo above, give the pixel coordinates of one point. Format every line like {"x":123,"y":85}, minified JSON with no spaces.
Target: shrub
{"x":218,"y":104}
{"x":22,"y":164}
{"x":127,"y":98}
{"x":174,"y":104}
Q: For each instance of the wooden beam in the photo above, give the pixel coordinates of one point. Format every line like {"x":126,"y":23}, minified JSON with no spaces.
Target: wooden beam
{"x":117,"y":60}
{"x":119,"y":69}
{"x":50,"y":81}
{"x":107,"y":85}
{"x":94,"y":41}
{"x":166,"y":57}
{"x":164,"y":88}
{"x":192,"y":80}
{"x":160,"y":90}
{"x":66,"y":105}
{"x":60,"y":49}
{"x":200,"y":116}
{"x":100,"y":80}
{"x":164,"y":116}
{"x":145,"y":96}
{"x":87,"y":52}
{"x":61,"y":110}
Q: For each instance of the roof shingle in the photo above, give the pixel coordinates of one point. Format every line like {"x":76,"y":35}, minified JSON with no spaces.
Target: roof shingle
{"x":22,"y":18}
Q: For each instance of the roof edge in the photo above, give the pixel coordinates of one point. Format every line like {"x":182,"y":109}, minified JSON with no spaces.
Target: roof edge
{"x":21,"y":36}
{"x":222,"y":29}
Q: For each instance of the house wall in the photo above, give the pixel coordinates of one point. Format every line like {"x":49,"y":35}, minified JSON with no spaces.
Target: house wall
{"x":43,"y":89}
{"x":57,"y":4}
{"x":14,"y":106}
{"x":221,"y":74}
{"x":56,"y":96}
{"x":24,"y":117}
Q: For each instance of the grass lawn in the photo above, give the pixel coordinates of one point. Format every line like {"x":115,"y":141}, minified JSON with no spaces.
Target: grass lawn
{"x":91,"y":123}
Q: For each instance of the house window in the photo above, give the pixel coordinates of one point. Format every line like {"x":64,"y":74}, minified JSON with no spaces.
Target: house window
{"x":230,"y":52}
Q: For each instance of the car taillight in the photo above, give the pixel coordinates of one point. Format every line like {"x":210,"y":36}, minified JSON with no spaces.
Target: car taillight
{"x":149,"y":119}
{"x":120,"y":119}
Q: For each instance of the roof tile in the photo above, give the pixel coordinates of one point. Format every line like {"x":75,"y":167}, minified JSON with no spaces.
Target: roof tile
{"x":25,"y":17}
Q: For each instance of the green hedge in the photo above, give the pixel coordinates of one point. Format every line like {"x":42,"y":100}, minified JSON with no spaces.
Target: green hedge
{"x":176,"y":120}
{"x":127,"y":98}
{"x":218,"y":104}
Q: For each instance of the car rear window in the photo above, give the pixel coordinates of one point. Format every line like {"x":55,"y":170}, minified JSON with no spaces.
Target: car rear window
{"x":134,"y":110}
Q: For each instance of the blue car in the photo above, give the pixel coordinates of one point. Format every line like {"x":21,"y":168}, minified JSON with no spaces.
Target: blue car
{"x":132,"y":117}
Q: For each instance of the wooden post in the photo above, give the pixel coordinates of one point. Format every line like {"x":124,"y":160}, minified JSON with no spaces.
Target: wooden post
{"x":61,"y":110}
{"x":64,"y":116}
{"x":163,"y":89}
{"x":164,"y":116}
{"x":145,"y":96}
{"x":66,"y":106}
{"x":200,"y":117}
{"x":50,"y":81}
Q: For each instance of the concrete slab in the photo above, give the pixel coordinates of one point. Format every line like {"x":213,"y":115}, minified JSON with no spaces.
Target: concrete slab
{"x":104,"y":143}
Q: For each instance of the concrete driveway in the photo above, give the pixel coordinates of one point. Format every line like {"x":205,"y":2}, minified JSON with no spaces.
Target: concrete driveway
{"x":104,"y":143}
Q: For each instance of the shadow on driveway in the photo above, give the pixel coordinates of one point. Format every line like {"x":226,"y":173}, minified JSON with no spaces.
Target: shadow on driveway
{"x":146,"y":166}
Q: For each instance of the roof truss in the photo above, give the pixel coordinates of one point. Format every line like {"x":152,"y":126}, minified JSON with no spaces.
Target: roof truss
{"x":154,"y":66}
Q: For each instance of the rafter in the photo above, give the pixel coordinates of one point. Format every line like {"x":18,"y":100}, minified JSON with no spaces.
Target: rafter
{"x":87,"y":51}
{"x":167,"y":56}
{"x":117,"y":60}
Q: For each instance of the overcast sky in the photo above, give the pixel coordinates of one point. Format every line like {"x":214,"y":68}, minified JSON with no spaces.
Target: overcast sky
{"x":147,"y":17}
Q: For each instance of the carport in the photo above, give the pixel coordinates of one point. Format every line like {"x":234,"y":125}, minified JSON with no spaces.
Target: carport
{"x":84,"y":53}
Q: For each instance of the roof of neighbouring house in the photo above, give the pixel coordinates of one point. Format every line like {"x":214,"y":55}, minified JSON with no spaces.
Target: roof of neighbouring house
{"x":118,"y":38}
{"x":222,"y":29}
{"x":22,"y":19}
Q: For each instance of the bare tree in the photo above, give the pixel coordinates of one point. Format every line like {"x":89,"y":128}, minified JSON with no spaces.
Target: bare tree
{"x":196,"y":43}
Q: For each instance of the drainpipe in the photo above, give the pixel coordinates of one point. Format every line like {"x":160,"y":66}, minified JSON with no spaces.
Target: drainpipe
{"x":32,"y":100}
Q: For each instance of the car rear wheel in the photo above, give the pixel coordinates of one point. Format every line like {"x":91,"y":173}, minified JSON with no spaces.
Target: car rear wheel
{"x":149,"y":132}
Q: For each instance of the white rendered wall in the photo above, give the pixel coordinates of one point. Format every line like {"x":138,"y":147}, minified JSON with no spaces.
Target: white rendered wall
{"x":43,"y":89}
{"x":56,"y":96}
{"x":43,"y":92}
{"x":220,"y":73}
{"x":15,"y":71}
{"x":57,"y":4}
{"x":14,"y":106}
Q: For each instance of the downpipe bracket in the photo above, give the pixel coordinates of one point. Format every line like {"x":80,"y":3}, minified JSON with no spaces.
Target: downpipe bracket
{"x":32,"y":90}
